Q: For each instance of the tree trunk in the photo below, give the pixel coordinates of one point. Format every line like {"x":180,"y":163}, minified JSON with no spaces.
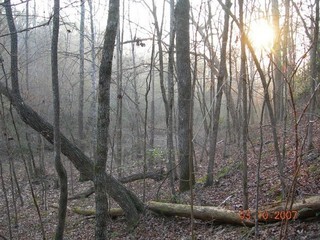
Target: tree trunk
{"x":267,"y":100}
{"x":26,"y":42}
{"x":105,"y":72}
{"x":184,"y":95}
{"x":136,"y":127}
{"x":14,"y":49}
{"x":119,"y":100}
{"x":170,"y":145}
{"x":56,"y":130}
{"x":221,"y":78}
{"x":306,"y":208}
{"x":93,"y":111}
{"x":126,"y":199}
{"x":244,"y":125}
{"x":81,"y":75}
{"x":313,"y":77}
{"x":277,"y":76}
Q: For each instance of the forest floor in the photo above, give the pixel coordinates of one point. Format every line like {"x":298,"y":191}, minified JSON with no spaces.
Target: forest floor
{"x":226,"y":192}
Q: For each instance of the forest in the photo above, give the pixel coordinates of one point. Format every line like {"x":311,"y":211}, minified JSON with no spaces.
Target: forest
{"x":145,"y":119}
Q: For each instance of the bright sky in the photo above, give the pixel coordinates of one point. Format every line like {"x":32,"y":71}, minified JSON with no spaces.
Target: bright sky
{"x":261,"y":32}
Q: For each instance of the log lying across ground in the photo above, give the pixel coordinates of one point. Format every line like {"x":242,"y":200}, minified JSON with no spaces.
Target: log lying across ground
{"x":156,"y":175}
{"x":206,"y":213}
{"x":309,"y":207}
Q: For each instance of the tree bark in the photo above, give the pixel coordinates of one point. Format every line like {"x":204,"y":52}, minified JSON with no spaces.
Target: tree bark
{"x":244,"y":125}
{"x":124,"y":197}
{"x":313,"y":77}
{"x":216,"y":116}
{"x":277,"y":66}
{"x":56,"y":130}
{"x":93,"y":111}
{"x":184,"y":95}
{"x":306,"y":208}
{"x":127,"y":200}
{"x":105,"y":73}
{"x":170,"y":145}
{"x":267,"y":100}
{"x":119,"y":99}
{"x":157,"y":175}
{"x":14,"y":49}
{"x":81,"y":74}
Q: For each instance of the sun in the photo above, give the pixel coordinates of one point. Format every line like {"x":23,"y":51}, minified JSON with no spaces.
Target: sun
{"x":261,"y":35}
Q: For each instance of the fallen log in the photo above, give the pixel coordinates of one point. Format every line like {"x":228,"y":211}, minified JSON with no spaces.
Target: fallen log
{"x":306,"y":208}
{"x":206,"y":213}
{"x":309,"y":207}
{"x":113,"y":212}
{"x":126,"y":199}
{"x":156,"y":175}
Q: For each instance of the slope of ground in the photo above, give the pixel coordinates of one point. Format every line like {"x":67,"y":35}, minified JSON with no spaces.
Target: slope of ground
{"x":226,"y":192}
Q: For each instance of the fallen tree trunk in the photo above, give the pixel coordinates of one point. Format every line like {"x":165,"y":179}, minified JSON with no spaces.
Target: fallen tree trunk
{"x":206,"y":213}
{"x":126,"y":199}
{"x":309,"y":207}
{"x":155,"y":175}
{"x":113,"y":212}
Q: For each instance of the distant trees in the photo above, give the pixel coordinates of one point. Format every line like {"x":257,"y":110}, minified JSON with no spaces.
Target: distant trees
{"x":226,"y":67}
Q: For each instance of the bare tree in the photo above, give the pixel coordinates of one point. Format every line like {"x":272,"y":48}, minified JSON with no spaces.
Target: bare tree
{"x":127,"y":200}
{"x":119,"y":95}
{"x":170,"y":145}
{"x":56,"y":131}
{"x":313,"y":76}
{"x":105,"y":72}
{"x":216,"y":112}
{"x":26,"y":42}
{"x":267,"y":100}
{"x":81,"y":74}
{"x":93,"y":111}
{"x":277,"y":59}
{"x":244,"y":136}
{"x":184,"y":95}
{"x":14,"y":48}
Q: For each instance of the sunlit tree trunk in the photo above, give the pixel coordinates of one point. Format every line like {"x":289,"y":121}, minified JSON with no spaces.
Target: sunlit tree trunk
{"x":244,"y":125}
{"x":221,"y":78}
{"x":56,"y":106}
{"x":314,"y":81}
{"x":277,"y":66}
{"x":267,"y":101}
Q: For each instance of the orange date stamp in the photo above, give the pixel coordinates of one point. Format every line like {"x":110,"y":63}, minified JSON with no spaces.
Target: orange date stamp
{"x":267,"y":216}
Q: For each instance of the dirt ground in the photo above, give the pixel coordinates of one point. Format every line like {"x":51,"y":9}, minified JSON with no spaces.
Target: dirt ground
{"x":226,"y":190}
